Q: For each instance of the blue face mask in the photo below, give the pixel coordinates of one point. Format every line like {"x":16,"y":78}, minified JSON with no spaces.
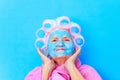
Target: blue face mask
{"x":60,"y":43}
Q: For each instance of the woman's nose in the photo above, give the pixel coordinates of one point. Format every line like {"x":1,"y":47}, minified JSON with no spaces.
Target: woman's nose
{"x":61,"y":44}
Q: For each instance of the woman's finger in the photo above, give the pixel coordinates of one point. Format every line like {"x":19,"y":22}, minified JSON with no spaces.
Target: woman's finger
{"x":46,"y":52}
{"x":77,"y":53}
{"x":41,"y":54}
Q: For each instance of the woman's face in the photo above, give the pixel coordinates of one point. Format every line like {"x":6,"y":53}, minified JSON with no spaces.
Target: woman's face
{"x":60,"y":43}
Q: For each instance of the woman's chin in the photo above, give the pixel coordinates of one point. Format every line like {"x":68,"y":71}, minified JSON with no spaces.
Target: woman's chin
{"x":60,"y":60}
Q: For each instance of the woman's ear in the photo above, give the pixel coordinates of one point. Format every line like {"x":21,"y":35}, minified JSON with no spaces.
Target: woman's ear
{"x":77,"y":48}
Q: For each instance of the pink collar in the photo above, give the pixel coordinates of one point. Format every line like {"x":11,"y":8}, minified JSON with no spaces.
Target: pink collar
{"x":62,"y":69}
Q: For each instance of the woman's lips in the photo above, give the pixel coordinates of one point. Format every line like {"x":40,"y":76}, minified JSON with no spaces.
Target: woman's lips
{"x":60,"y":49}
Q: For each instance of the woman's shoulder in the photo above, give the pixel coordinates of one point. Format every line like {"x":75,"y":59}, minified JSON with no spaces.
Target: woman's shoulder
{"x":89,"y":72}
{"x":34,"y":74}
{"x":86,"y":67}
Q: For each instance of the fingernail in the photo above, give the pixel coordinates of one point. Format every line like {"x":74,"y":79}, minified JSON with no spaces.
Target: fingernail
{"x":38,"y":49}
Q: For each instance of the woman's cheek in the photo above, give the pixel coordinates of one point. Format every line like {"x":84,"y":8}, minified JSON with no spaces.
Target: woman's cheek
{"x":51,"y":48}
{"x":70,"y":48}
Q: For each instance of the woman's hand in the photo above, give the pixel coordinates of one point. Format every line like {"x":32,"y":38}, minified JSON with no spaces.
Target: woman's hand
{"x":72,"y":59}
{"x":71,"y":68}
{"x":48,"y":65}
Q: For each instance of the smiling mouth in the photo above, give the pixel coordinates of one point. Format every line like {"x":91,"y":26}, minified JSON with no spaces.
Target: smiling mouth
{"x":60,"y":49}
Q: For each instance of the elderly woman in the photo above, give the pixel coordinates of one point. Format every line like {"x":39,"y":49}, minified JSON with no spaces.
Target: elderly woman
{"x":62,"y":42}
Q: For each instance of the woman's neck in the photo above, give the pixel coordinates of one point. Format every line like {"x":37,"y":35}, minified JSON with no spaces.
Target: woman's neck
{"x":60,"y":60}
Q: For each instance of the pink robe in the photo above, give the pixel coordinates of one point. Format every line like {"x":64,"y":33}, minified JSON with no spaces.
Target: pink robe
{"x":60,"y":73}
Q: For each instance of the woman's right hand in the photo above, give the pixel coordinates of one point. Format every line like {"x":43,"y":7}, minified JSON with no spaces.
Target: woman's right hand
{"x":48,"y":65}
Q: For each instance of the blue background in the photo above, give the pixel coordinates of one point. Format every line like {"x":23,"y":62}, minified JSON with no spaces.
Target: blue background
{"x":19,"y":19}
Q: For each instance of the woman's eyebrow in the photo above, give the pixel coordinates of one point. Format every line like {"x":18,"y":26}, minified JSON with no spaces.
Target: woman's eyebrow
{"x":54,"y":38}
{"x":66,"y":37}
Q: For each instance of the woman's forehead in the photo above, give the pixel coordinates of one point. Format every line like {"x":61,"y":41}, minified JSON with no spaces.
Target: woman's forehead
{"x":60,"y":33}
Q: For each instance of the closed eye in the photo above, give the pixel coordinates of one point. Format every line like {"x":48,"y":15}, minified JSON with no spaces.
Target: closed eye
{"x":54,"y":39}
{"x":66,"y":39}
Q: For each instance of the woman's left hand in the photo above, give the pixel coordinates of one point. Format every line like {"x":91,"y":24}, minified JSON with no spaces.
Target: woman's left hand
{"x":72,"y":59}
{"x":70,"y":66}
